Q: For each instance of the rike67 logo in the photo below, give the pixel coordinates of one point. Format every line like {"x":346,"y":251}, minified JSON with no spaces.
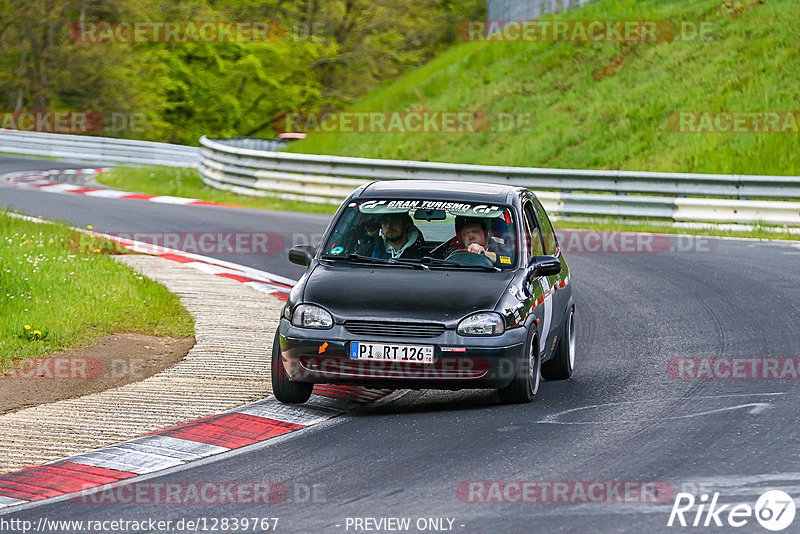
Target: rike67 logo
{"x":774,"y":510}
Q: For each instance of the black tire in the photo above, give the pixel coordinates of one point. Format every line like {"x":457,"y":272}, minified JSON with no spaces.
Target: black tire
{"x":285,"y":390}
{"x":525,"y":384}
{"x":562,"y":364}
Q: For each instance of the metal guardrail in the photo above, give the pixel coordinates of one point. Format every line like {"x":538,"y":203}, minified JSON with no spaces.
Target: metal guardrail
{"x":101,"y":149}
{"x":529,"y":9}
{"x":625,"y":194}
{"x":697,"y":198}
{"x":254,"y":143}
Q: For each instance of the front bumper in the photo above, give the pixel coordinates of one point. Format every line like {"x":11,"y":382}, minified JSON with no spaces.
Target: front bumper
{"x":460,"y":362}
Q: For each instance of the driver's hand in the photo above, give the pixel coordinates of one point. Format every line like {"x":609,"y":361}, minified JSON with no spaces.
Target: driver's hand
{"x":476,"y":249}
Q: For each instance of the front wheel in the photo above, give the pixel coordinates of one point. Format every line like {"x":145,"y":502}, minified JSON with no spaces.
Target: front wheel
{"x":285,"y":390}
{"x":562,"y":364}
{"x":526,"y":380}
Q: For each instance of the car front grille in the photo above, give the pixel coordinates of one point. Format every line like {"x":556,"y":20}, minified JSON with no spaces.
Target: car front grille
{"x":394,"y":329}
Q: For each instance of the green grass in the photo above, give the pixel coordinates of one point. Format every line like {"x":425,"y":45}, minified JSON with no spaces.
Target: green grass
{"x":186,"y":182}
{"x":613,"y":225}
{"x":65,"y":286}
{"x":17,"y":155}
{"x":580,"y":118}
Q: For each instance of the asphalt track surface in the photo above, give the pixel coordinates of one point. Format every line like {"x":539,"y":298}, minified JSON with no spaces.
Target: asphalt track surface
{"x":124,"y":216}
{"x":621,"y":417}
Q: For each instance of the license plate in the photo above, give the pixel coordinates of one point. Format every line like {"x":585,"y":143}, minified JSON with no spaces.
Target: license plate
{"x":387,"y":351}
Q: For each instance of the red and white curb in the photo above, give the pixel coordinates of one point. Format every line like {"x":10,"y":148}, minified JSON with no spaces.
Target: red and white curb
{"x":42,"y":181}
{"x":175,"y":446}
{"x":277,"y":286}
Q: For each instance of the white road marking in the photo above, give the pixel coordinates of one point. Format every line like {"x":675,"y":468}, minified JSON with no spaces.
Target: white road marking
{"x":107,"y":193}
{"x":306,"y":415}
{"x":266,"y":287}
{"x":131,"y":461}
{"x":60,"y":188}
{"x":182,"y":449}
{"x":208,"y":268}
{"x":173,"y":200}
{"x":754,"y":408}
{"x":738,"y":480}
{"x":8,"y":501}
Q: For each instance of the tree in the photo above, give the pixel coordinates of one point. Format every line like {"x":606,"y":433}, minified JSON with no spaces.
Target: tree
{"x":333,"y":52}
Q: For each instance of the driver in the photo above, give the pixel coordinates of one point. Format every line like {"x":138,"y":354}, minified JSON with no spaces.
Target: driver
{"x":398,"y":237}
{"x":473,"y":232}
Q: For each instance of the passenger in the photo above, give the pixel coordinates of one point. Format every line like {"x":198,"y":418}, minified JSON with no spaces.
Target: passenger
{"x":398,"y":238}
{"x":473,"y":234}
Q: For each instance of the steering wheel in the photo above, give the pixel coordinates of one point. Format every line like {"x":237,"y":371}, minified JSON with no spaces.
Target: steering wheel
{"x":469,"y":258}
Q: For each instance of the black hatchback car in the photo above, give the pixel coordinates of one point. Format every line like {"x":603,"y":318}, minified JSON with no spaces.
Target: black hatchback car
{"x":429,"y":284}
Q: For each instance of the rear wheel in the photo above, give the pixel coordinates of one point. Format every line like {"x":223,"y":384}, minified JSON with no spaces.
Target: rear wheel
{"x":285,"y":390}
{"x":527,"y":378}
{"x":562,"y":364}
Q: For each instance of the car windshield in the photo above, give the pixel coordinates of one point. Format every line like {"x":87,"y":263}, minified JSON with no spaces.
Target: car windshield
{"x":437,"y":234}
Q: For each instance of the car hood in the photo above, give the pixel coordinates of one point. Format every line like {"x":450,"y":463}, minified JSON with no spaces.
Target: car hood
{"x":441,"y":295}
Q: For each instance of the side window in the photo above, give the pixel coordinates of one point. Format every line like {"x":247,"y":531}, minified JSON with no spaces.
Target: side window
{"x":532,"y":232}
{"x":549,"y":236}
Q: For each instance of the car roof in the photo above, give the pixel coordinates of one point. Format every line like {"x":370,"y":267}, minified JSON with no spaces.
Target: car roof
{"x":439,"y":190}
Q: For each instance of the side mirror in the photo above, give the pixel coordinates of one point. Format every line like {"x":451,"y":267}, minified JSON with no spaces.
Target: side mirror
{"x":301,"y":254}
{"x":544,"y":266}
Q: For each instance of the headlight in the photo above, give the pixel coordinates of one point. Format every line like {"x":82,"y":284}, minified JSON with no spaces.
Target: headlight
{"x":482,"y":324}
{"x":310,"y":316}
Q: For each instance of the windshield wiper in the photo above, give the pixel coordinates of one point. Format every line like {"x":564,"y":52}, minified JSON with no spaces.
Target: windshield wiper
{"x":447,"y":263}
{"x":389,"y":261}
{"x":369,"y":259}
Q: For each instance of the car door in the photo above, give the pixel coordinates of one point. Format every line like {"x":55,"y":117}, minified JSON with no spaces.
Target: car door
{"x":558,"y":282}
{"x":543,"y":294}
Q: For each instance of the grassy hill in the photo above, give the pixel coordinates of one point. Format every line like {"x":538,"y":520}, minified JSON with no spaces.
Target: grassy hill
{"x":62,"y":290}
{"x":606,"y":105}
